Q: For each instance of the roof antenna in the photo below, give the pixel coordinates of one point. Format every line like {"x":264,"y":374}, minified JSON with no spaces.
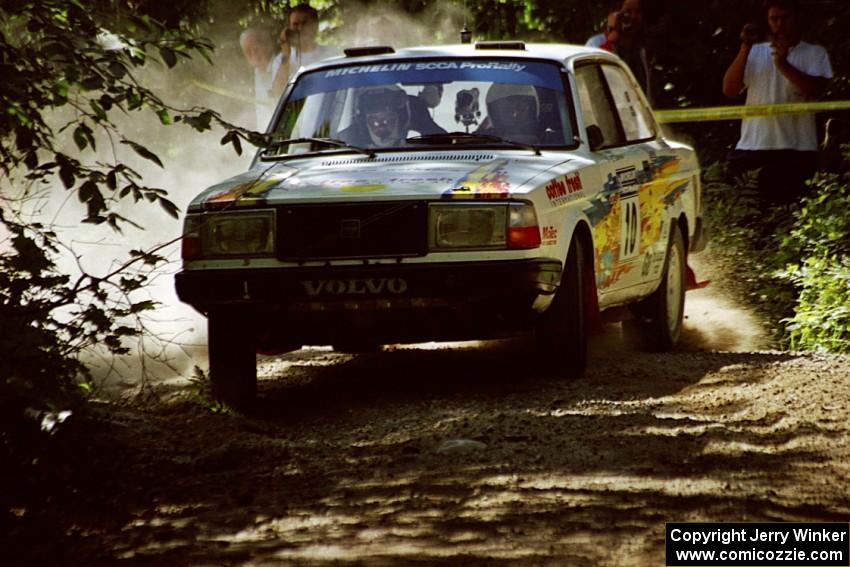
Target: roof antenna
{"x":465,"y":34}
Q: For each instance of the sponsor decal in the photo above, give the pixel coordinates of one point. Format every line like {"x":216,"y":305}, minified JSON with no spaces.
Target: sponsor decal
{"x":652,"y":264}
{"x":419,"y":180}
{"x":488,"y":181}
{"x":366,"y":188}
{"x":425,"y":66}
{"x":627,"y":176}
{"x":562,"y":190}
{"x":625,"y":224}
{"x":251,"y":193}
{"x":675,"y":193}
{"x":355,"y":286}
{"x":550,"y":236}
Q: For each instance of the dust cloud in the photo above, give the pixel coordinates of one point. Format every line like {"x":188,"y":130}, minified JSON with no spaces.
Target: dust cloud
{"x":383,"y":24}
{"x":715,"y":321}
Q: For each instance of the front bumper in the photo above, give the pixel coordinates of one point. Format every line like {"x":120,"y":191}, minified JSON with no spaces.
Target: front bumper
{"x":386,"y":302}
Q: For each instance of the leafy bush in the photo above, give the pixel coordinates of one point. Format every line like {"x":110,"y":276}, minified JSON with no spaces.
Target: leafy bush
{"x":68,"y":68}
{"x":819,"y":247}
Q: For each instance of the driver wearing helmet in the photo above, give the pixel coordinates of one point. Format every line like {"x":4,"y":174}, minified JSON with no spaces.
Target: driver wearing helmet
{"x":513,"y":112}
{"x":381,"y":118}
{"x":385,"y":115}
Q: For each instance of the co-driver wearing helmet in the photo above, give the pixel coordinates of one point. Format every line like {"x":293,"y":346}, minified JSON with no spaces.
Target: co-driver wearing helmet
{"x":513,"y":112}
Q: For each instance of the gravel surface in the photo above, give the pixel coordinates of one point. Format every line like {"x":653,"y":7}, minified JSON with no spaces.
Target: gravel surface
{"x":455,"y":454}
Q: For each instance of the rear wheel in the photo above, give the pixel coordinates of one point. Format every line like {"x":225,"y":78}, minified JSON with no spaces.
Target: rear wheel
{"x":562,"y":335}
{"x":658,"y":318}
{"x":233,"y":358}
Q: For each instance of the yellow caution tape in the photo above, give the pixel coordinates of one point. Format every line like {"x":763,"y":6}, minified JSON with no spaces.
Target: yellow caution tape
{"x":668,"y":116}
{"x":229,"y":94}
{"x":716,"y":113}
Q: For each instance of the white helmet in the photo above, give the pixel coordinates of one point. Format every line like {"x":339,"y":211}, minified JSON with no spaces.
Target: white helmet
{"x":513,"y":109}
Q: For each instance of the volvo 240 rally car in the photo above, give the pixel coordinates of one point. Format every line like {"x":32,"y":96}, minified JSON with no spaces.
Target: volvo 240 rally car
{"x":446,"y":193}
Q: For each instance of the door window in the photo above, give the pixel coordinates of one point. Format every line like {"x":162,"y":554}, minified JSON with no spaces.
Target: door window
{"x":633,"y":113}
{"x":597,"y":106}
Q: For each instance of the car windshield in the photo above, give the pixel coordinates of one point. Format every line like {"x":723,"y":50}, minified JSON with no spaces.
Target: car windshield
{"x":426,"y":103}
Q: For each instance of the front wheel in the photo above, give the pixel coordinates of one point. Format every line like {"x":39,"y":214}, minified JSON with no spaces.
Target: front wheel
{"x":658,"y":318}
{"x":233,"y":358}
{"x":562,"y":334}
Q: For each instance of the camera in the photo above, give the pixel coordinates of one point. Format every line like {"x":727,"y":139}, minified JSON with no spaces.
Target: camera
{"x":750,"y":34}
{"x":466,"y":107}
{"x":293,"y":37}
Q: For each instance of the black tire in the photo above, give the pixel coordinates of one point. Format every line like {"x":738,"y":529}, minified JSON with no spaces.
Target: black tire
{"x":233,"y":359}
{"x":658,"y":318}
{"x":562,"y":334}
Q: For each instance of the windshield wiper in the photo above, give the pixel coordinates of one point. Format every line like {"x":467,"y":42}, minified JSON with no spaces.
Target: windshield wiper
{"x":469,"y":137}
{"x":326,"y":141}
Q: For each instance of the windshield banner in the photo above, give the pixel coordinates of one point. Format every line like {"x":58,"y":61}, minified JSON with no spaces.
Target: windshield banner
{"x":421,"y":72}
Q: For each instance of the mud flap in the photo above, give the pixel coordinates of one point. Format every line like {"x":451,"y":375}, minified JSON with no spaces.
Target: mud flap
{"x":691,"y":280}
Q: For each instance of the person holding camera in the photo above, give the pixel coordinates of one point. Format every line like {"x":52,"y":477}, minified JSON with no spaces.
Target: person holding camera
{"x":301,"y":34}
{"x":784,"y":69}
{"x":280,"y":64}
{"x":624,"y":36}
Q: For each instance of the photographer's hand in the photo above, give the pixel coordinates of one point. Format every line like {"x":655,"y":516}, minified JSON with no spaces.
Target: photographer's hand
{"x":780,"y":53}
{"x":612,"y":33}
{"x":749,"y":34}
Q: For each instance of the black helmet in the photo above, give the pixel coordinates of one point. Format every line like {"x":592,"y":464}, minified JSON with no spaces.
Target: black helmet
{"x":385,"y":112}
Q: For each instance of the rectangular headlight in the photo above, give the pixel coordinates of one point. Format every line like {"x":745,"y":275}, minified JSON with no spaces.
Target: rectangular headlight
{"x":477,"y":226}
{"x":466,"y":226}
{"x":238,"y":233}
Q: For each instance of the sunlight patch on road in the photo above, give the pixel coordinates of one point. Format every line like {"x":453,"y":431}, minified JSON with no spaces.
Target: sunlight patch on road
{"x":436,"y":345}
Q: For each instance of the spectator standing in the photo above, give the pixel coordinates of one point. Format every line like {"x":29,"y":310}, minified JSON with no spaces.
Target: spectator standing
{"x":784,"y":69}
{"x":624,"y":35}
{"x":613,"y":8}
{"x":301,"y":34}
{"x":258,"y":47}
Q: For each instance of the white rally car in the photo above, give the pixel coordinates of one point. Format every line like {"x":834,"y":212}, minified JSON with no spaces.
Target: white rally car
{"x":446,"y":193}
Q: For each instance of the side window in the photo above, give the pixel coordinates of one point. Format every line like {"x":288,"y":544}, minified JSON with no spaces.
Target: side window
{"x":634,"y":116}
{"x":596,"y":105}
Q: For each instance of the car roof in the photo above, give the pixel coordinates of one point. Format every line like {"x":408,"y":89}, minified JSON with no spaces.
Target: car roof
{"x":560,"y":52}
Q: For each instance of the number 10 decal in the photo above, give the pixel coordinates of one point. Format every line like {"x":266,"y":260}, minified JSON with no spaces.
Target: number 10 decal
{"x":629,"y":226}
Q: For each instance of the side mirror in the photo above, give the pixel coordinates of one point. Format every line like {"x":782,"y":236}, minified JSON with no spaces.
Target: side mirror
{"x":595,"y":138}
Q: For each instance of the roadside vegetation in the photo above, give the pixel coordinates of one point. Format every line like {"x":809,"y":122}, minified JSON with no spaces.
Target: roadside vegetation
{"x":791,"y":262}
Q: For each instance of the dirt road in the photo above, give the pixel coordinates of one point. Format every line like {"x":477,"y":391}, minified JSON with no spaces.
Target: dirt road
{"x":460,"y":455}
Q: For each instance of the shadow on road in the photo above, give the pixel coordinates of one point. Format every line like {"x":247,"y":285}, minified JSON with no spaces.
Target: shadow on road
{"x":464,"y":454}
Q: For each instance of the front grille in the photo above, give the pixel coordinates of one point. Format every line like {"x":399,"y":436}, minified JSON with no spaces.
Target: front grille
{"x":309,"y":232}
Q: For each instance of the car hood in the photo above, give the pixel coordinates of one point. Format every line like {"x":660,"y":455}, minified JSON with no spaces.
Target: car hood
{"x":440,"y":175}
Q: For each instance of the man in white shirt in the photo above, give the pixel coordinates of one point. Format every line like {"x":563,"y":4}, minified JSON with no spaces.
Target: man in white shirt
{"x":302,"y":30}
{"x":258,"y":47}
{"x":783,"y":70}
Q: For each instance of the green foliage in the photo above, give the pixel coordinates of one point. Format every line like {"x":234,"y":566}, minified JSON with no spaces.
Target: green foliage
{"x":200,"y":393}
{"x":818,"y":265}
{"x":68,"y":68}
{"x":795,"y":261}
